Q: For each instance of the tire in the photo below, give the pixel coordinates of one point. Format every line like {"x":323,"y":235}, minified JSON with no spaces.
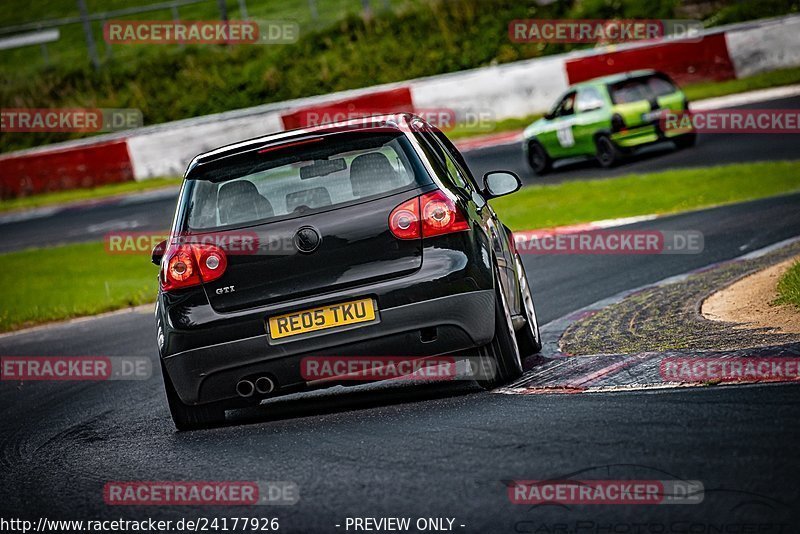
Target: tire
{"x":502,"y":352}
{"x":607,"y":152}
{"x":685,"y":140}
{"x":538,"y":158}
{"x":187,"y":417}
{"x":529,"y":339}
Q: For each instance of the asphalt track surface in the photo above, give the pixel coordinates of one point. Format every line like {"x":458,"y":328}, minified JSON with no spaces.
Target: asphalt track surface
{"x":433,"y":450}
{"x":153,"y":211}
{"x":711,"y":149}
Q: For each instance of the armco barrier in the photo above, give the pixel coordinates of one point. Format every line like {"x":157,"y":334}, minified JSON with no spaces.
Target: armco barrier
{"x":66,"y":168}
{"x":388,"y":101}
{"x":509,"y":90}
{"x":166,"y":149}
{"x":771,"y":45}
{"x":684,"y":61}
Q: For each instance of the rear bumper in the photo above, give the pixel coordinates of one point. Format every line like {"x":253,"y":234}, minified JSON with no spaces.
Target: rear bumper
{"x":435,"y":326}
{"x":640,"y":135}
{"x":643,"y":135}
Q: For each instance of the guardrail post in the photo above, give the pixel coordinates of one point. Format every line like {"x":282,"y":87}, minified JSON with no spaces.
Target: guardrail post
{"x":223,"y":10}
{"x":45,"y":55}
{"x":243,"y":10}
{"x":109,"y":52}
{"x":176,"y":17}
{"x":87,"y":30}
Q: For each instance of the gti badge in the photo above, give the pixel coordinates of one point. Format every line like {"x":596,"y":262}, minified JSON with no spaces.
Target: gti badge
{"x":226,"y":289}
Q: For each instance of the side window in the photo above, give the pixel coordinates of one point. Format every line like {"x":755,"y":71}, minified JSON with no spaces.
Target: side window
{"x":458,"y":158}
{"x":454,"y":170}
{"x":660,"y":86}
{"x":567,"y":106}
{"x":629,"y":91}
{"x":442,"y":156}
{"x":589,"y":99}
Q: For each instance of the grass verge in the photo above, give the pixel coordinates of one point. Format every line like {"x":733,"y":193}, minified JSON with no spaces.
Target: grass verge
{"x":505,"y":125}
{"x":542,"y":206}
{"x":765,"y":80}
{"x":94,"y":193}
{"x":42,"y":285}
{"x":789,"y":287}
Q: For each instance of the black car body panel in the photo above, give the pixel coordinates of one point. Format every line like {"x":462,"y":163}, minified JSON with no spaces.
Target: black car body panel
{"x":433,"y":296}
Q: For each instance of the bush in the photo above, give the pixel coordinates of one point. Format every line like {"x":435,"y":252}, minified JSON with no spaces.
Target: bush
{"x":428,"y":37}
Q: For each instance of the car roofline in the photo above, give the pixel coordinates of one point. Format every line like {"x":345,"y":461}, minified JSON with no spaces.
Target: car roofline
{"x":613,"y":78}
{"x":401,"y":122}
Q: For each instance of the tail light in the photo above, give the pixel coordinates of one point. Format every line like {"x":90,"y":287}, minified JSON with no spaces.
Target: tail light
{"x":427,"y":215}
{"x":191,"y":264}
{"x":404,"y":220}
{"x":617,"y":123}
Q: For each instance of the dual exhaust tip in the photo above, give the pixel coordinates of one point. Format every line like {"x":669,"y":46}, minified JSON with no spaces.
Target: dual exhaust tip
{"x":263,"y":385}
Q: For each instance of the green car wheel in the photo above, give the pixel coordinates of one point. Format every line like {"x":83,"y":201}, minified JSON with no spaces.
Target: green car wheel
{"x":685,"y":140}
{"x":538,"y":158}
{"x":608,"y":153}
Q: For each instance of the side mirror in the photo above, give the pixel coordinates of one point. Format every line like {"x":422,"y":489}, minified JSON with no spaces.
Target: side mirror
{"x":499,"y":183}
{"x":158,"y":252}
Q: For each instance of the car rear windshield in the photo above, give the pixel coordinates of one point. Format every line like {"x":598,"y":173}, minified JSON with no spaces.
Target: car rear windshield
{"x":641,"y":88}
{"x":300,"y":177}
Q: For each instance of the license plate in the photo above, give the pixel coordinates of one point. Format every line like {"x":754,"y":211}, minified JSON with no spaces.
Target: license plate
{"x":652,"y":116}
{"x":322,"y":318}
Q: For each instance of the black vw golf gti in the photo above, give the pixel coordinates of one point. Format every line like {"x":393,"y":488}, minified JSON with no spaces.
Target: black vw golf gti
{"x":364,"y":238}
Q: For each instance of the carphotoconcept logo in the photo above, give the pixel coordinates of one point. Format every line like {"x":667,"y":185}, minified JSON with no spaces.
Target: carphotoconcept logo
{"x":231,"y":32}
{"x":602,"y":31}
{"x":84,"y":120}
{"x":621,"y":242}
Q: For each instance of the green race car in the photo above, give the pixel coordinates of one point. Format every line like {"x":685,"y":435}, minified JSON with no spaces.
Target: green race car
{"x":607,"y":118}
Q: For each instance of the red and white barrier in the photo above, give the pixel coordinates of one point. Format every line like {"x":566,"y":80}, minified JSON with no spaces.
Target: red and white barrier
{"x":63,"y":168}
{"x":510,"y":90}
{"x":684,"y":61}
